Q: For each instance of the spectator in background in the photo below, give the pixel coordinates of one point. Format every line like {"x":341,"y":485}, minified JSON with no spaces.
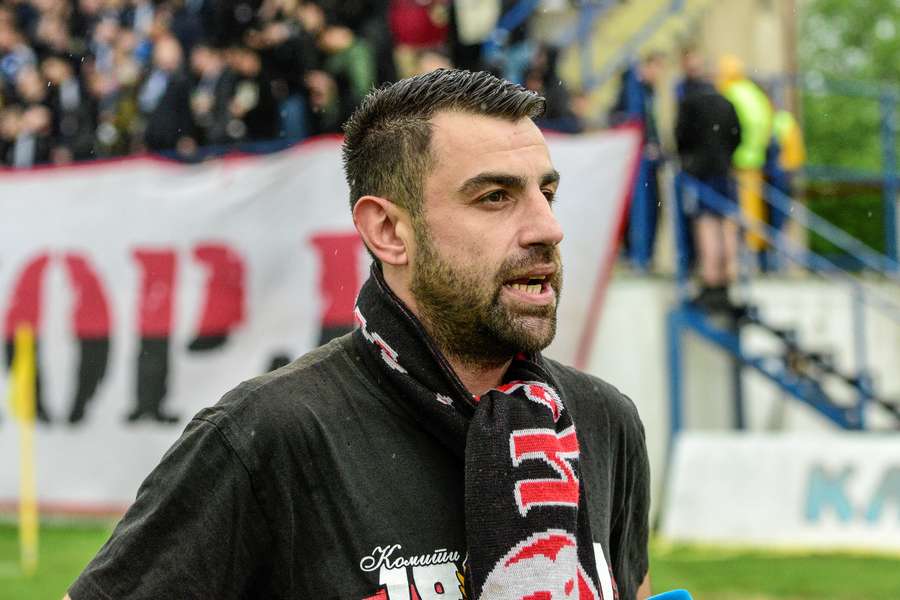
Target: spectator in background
{"x":784,"y":159}
{"x":542,"y":77}
{"x":15,"y":54}
{"x":9,"y":129}
{"x":287,"y":52}
{"x":32,"y":143}
{"x":164,"y":101}
{"x":755,"y":115}
{"x":211,"y":95}
{"x":417,"y":25}
{"x":187,"y":20}
{"x":347,"y":75}
{"x":637,"y":103}
{"x":471,"y":24}
{"x":509,"y":51}
{"x":115,"y":94}
{"x":84,"y":17}
{"x":128,"y":82}
{"x":368,"y":20}
{"x":74,"y":114}
{"x":707,"y":133}
{"x":230,"y":20}
{"x":52,"y":38}
{"x":694,"y":72}
{"x":103,"y":43}
{"x":253,"y":109}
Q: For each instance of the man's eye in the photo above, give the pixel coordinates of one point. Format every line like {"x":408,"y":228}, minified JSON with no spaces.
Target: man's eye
{"x":550,"y":195}
{"x":494,"y":197}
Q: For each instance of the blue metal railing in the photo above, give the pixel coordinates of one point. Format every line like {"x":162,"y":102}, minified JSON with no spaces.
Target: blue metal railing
{"x":888,"y":97}
{"x":629,"y":50}
{"x":872,"y":259}
{"x":861,"y":297}
{"x":580,"y":32}
{"x":515,"y":16}
{"x":791,"y":250}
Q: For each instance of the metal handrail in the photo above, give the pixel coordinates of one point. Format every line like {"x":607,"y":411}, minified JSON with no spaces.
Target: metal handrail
{"x":873,"y":259}
{"x":630,"y":48}
{"x":810,"y":260}
{"x":511,"y":19}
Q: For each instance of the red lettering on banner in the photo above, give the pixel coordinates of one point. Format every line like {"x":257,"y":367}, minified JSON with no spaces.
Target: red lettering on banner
{"x":25,"y":306}
{"x":91,"y":314}
{"x":339,"y":279}
{"x":555,"y":449}
{"x":157,"y":292}
{"x":223,"y":307}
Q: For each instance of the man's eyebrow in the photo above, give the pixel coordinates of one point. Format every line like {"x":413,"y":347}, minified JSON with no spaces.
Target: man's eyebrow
{"x":550,"y":177}
{"x":516,"y":182}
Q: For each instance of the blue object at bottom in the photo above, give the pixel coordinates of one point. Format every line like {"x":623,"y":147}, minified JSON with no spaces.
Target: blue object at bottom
{"x":673,"y":595}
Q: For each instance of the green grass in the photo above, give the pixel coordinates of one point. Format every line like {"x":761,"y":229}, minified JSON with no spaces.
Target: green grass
{"x":722,"y":574}
{"x":708,"y":573}
{"x":64,"y":551}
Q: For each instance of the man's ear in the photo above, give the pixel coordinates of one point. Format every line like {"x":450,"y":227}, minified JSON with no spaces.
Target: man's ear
{"x":385,"y":229}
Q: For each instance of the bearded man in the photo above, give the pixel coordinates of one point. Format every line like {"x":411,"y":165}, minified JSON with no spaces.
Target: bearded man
{"x":433,"y":452}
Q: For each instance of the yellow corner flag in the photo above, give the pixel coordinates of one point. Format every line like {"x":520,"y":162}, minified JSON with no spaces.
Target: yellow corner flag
{"x":22,"y":394}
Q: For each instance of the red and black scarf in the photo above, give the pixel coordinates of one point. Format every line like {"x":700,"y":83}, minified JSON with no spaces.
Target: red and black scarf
{"x":527,"y":526}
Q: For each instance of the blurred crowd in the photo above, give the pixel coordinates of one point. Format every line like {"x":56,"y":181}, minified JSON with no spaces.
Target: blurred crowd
{"x":736,"y":142}
{"x":85,"y":79}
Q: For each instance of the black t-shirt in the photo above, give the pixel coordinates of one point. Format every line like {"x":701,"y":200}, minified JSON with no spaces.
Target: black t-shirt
{"x":310,"y":482}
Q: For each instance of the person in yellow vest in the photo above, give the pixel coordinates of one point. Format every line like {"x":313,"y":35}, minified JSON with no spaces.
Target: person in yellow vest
{"x":784,"y":159}
{"x":755,"y":115}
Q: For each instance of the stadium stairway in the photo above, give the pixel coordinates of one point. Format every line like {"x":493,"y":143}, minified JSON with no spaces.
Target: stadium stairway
{"x":806,"y":372}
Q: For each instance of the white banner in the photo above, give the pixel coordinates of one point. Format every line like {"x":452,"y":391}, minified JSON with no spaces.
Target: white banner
{"x":833,"y":490}
{"x":155,"y":287}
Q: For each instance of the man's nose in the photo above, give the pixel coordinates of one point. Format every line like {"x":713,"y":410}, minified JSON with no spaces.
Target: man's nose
{"x":541,"y":226}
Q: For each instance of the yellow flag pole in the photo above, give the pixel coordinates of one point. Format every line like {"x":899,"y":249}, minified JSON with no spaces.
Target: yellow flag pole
{"x":23,"y":382}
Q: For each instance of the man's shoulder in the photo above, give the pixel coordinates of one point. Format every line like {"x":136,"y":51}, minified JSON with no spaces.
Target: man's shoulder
{"x":320,"y":382}
{"x":591,"y":397}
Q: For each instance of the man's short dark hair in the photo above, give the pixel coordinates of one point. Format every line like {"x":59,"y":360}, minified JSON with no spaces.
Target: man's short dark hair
{"x":387,"y":145}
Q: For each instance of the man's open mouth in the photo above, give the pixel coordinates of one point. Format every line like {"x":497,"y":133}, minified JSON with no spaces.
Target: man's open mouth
{"x":534,"y":284}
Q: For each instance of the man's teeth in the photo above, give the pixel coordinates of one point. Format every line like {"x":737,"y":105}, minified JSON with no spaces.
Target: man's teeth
{"x":528,"y":289}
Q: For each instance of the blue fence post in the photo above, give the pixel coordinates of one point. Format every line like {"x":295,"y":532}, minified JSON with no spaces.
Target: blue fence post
{"x":639,"y":220}
{"x":861,"y":354}
{"x":682,"y":251}
{"x":889,"y":158}
{"x":737,"y":380}
{"x":676,"y":409}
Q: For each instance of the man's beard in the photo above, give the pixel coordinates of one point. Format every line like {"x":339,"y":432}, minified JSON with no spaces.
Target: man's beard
{"x":461,"y":306}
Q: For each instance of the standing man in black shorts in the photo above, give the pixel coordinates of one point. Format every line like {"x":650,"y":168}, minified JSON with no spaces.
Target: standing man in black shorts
{"x":433,"y":452}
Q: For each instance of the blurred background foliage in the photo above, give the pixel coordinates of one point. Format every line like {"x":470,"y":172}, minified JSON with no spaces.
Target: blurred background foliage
{"x":855,"y":45}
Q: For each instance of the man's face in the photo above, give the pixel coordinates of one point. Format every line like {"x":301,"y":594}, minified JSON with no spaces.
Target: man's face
{"x":486,"y":271}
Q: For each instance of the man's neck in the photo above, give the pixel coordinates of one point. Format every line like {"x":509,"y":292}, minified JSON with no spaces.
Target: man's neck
{"x":478,"y":379}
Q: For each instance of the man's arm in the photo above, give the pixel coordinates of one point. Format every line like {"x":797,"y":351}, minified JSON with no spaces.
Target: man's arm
{"x":195,"y":530}
{"x":643,"y":592}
